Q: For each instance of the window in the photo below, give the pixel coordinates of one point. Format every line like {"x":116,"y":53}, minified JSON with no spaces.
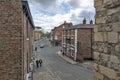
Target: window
{"x":71,"y":32}
{"x":78,"y":46}
{"x":68,"y":40}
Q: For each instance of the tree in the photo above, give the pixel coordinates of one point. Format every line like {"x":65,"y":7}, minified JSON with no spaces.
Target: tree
{"x":43,"y":34}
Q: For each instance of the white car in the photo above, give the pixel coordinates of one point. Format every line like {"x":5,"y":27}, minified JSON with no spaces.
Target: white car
{"x":42,"y":45}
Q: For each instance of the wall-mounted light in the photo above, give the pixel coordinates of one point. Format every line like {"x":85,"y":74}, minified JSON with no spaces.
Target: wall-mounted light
{"x":63,"y":26}
{"x":27,"y":39}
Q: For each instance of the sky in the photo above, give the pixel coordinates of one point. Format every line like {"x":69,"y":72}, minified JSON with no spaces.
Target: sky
{"x":51,"y":13}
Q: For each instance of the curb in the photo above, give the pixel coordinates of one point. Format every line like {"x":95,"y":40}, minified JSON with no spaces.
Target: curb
{"x":66,"y":58}
{"x":84,"y":65}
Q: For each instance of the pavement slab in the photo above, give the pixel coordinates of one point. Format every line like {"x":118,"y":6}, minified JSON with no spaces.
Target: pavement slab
{"x":86,"y":64}
{"x":66,"y":58}
{"x":42,"y":76}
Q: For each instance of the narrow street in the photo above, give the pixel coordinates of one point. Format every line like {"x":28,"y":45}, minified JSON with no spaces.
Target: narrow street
{"x":55,"y":68}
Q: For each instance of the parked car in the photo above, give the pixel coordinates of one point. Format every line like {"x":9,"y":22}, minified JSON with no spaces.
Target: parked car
{"x":42,"y":45}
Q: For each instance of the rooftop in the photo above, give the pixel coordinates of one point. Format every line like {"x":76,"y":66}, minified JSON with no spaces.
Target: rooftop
{"x":81,"y":26}
{"x":26,"y":11}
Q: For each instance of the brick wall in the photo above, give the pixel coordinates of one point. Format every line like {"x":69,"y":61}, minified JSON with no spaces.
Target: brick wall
{"x":16,"y":38}
{"x":85,"y":40}
{"x":27,"y":44}
{"x":107,"y":40}
{"x":10,"y":40}
{"x":59,"y":30}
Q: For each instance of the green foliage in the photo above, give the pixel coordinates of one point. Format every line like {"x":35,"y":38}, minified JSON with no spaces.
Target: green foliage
{"x":47,"y":34}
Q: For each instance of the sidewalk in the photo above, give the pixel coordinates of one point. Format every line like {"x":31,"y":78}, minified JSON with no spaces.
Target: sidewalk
{"x":87,"y":64}
{"x":66,"y":58}
{"x":42,"y":76}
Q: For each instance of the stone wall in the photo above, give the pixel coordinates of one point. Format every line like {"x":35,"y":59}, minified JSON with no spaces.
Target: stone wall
{"x":107,"y":40}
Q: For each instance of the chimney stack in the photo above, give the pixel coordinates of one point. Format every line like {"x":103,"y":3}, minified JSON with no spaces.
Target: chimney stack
{"x":64,"y":22}
{"x":84,"y":21}
{"x":70,"y":24}
{"x":91,"y":21}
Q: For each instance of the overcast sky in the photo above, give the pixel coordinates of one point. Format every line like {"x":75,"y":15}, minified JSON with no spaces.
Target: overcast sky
{"x":51,"y":13}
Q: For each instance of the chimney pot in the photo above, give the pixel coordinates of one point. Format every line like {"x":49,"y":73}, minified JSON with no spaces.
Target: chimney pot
{"x":84,"y":21}
{"x":91,"y":21}
{"x":64,"y":21}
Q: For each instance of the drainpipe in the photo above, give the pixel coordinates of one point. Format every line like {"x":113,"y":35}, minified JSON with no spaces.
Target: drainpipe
{"x":75,"y":45}
{"x":62,"y":41}
{"x":91,"y":43}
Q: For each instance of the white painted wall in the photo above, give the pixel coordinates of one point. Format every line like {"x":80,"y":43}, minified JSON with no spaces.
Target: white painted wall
{"x":75,"y":44}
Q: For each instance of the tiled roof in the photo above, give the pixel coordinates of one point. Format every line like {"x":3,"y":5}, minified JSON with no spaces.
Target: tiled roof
{"x":80,"y":26}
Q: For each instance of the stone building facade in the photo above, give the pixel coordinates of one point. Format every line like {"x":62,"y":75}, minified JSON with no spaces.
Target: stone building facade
{"x":37,"y":33}
{"x":107,"y":40}
{"x":16,"y":38}
{"x":77,"y":41}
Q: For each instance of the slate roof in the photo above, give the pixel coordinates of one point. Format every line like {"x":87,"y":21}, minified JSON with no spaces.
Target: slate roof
{"x":81,"y":26}
{"x":26,"y":11}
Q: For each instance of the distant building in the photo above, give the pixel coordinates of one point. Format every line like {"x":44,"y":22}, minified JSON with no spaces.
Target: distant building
{"x":56,"y":33}
{"x":16,"y":39}
{"x":37,"y":33}
{"x":77,"y":41}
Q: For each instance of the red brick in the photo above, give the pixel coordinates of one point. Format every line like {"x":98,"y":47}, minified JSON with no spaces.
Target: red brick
{"x":13,"y":44}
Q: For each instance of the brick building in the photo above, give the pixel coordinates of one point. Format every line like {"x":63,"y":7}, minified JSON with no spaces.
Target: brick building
{"x":107,"y":40}
{"x":77,"y":41}
{"x":56,"y":33}
{"x":16,"y":38}
{"x":37,"y":33}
